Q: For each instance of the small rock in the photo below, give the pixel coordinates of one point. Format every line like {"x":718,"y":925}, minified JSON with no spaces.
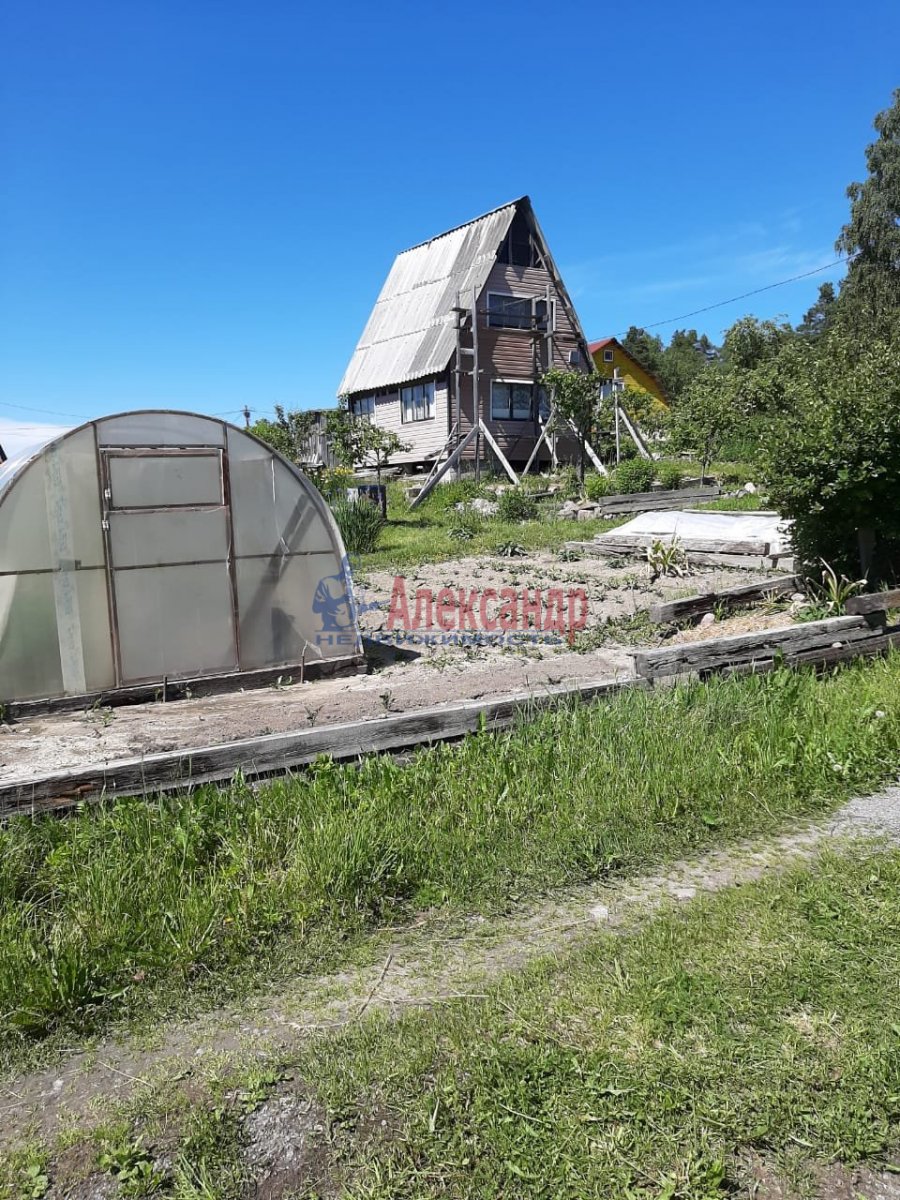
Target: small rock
{"x":750,"y":489}
{"x":707,"y":619}
{"x":587,"y":514}
{"x":484,"y":508}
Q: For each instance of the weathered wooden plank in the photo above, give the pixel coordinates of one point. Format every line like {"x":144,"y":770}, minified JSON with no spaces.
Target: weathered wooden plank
{"x":648,"y":501}
{"x":873,"y":602}
{"x":821,"y":656}
{"x":740,"y":562}
{"x":281,"y":752}
{"x":744,"y":593}
{"x":639,"y":542}
{"x":179,"y":689}
{"x":715,"y":653}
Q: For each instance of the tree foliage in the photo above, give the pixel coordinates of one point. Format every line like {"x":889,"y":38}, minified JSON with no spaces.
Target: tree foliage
{"x":870,"y":295}
{"x":575,"y":397}
{"x":357,"y":442}
{"x":833,"y":466}
{"x":818,"y":319}
{"x":289,"y":433}
{"x":705,"y":419}
{"x":675,"y":365}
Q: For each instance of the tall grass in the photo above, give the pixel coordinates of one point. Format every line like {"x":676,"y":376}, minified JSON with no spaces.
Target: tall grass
{"x":360,"y":523}
{"x":104,"y":906}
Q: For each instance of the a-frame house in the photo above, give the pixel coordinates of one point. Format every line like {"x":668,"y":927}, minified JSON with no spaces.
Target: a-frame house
{"x":482,"y":302}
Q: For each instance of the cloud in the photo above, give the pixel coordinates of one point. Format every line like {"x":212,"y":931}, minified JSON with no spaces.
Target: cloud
{"x":16,"y":436}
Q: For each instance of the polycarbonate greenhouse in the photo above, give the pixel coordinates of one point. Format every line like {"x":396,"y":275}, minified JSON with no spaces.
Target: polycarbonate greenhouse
{"x":156,"y":546}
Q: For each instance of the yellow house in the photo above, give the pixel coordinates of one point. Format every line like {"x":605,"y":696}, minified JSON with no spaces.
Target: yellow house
{"x":609,"y":355}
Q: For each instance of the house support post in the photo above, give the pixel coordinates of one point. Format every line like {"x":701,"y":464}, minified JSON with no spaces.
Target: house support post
{"x":438,"y":475}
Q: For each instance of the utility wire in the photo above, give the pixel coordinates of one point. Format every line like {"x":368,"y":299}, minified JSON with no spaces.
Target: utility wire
{"x":743,"y":296}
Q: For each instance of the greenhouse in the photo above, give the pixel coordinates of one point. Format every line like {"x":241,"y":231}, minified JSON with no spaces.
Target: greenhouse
{"x":155,"y":546}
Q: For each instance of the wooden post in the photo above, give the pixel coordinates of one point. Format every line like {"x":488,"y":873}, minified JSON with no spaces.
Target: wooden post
{"x":865,"y":540}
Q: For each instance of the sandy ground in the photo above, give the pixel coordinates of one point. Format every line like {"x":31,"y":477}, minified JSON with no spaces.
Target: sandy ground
{"x":400,"y":679}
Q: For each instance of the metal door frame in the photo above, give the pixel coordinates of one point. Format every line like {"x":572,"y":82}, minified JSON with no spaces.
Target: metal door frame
{"x":104,"y":454}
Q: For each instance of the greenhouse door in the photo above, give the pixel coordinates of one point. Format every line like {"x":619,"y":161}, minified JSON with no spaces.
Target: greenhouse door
{"x":168,"y":528}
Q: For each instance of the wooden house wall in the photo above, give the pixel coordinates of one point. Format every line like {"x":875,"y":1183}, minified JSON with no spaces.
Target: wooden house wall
{"x":425,"y":438}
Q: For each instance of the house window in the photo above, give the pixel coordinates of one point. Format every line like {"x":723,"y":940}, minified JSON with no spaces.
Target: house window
{"x":512,"y":401}
{"x":417,"y":402}
{"x":363,"y":407}
{"x":508,"y":312}
{"x":607,"y":355}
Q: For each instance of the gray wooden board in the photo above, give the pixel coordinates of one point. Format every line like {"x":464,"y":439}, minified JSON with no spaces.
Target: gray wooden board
{"x":646,"y":501}
{"x":821,"y":656}
{"x":744,"y":593}
{"x":639,"y":542}
{"x":279,"y":752}
{"x":742,"y":562}
{"x":873,"y":602}
{"x":714,"y":653}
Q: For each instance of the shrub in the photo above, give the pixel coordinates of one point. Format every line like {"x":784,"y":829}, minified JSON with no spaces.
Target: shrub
{"x":636,"y":475}
{"x":360,"y":524}
{"x":465,"y":526}
{"x":670,"y":475}
{"x":570,"y":487}
{"x":596,"y":486}
{"x":833,"y":465}
{"x":735,"y":472}
{"x":516,"y":505}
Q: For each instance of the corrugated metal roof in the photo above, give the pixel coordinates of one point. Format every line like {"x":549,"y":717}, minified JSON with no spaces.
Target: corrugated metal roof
{"x":411,"y":331}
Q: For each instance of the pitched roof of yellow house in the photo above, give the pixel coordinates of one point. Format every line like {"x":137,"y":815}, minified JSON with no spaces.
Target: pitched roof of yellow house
{"x":632,"y":371}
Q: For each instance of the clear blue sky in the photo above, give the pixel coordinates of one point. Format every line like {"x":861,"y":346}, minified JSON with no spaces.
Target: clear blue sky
{"x":200,"y":198}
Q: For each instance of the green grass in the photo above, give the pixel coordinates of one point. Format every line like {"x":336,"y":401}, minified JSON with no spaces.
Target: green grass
{"x":760,"y":1021}
{"x":424,"y":534}
{"x":764,"y":1019}
{"x":127,"y":908}
{"x":746,"y":503}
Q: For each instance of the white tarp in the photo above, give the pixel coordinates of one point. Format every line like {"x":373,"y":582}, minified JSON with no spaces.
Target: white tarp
{"x":720,"y":526}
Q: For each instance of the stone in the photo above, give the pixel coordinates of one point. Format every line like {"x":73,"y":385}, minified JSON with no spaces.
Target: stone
{"x":484,"y":508}
{"x":707,"y":619}
{"x":750,"y":489}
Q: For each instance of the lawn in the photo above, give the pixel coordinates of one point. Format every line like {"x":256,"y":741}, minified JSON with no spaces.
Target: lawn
{"x":436,"y":531}
{"x":759,"y":1026}
{"x":749,"y":1034}
{"x":136,"y":907}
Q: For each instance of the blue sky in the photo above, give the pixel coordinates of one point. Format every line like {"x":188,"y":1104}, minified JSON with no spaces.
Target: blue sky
{"x":201,"y":198}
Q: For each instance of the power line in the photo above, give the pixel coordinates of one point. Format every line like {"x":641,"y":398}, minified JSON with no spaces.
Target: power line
{"x":743,"y":296}
{"x":50,"y":412}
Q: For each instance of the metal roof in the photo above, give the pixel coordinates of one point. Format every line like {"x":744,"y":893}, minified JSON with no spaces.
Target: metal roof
{"x":411,"y":330}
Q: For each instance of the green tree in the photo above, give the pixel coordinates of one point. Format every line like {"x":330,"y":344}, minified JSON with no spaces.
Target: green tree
{"x":645,"y":347}
{"x":686,"y":355}
{"x":870,"y":294}
{"x":706,"y":417}
{"x":358,"y":442}
{"x":575,"y":398}
{"x":289,"y":433}
{"x":750,"y":343}
{"x":818,"y":319}
{"x":832,"y":461}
